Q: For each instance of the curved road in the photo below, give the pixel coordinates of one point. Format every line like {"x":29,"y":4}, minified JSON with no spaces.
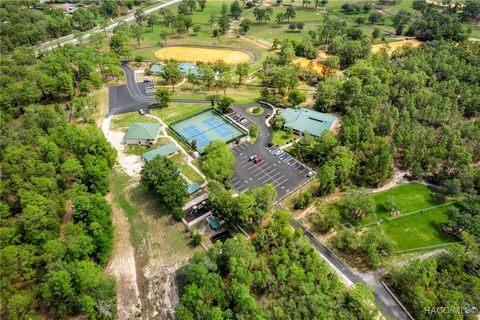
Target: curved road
{"x":387,"y":304}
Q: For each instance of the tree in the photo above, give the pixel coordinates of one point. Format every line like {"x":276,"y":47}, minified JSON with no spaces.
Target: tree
{"x":376,"y":33}
{"x":326,"y":176}
{"x":375,"y":17}
{"x":361,"y":301}
{"x":278,"y":122}
{"x":196,"y":29}
{"x":218,"y":161}
{"x":241,"y":71}
{"x":465,"y":217}
{"x":245,"y":26}
{"x":171,"y":73}
{"x":390,"y":203}
{"x":152,"y":21}
{"x":140,"y":16}
{"x":359,"y":20}
{"x":162,"y":96}
{"x":180,"y":26}
{"x":236,"y":10}
{"x":400,"y":20}
{"x":161,"y":175}
{"x":296,"y":97}
{"x":326,"y":219}
{"x":253,"y":131}
{"x":137,"y":33}
{"x":224,"y":81}
{"x":118,"y":44}
{"x":224,"y":104}
{"x":290,"y":13}
{"x":358,"y":203}
{"x":212,"y":20}
{"x":163,"y":35}
{"x":224,"y":23}
{"x":202,"y":4}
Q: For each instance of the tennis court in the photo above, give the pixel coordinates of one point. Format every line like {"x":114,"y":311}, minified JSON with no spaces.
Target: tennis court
{"x":204,"y":127}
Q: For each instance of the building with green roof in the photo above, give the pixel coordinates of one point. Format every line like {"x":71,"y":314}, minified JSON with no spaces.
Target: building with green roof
{"x":143,"y":133}
{"x":307,"y":120}
{"x":167,"y":150}
{"x":192,"y":188}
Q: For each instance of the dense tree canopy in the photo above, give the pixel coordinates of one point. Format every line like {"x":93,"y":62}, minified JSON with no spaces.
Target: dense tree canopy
{"x":51,"y":169}
{"x":281,"y":269}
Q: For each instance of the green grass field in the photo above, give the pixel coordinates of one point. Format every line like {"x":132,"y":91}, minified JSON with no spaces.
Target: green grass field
{"x":415,"y":230}
{"x":178,"y":111}
{"x":123,"y":121}
{"x":281,"y":137}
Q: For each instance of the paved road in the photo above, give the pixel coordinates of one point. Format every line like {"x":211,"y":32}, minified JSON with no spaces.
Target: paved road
{"x":49,"y":45}
{"x":387,"y":304}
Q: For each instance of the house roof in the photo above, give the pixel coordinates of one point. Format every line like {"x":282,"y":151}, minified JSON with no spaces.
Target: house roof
{"x":303,"y":120}
{"x":164,"y":150}
{"x":184,"y":67}
{"x":156,"y":68}
{"x":143,"y":131}
{"x":195,"y":71}
{"x":192,"y":188}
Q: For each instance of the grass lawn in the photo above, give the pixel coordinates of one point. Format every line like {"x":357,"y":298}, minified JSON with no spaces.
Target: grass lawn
{"x":281,"y":137}
{"x":187,"y":171}
{"x":178,"y":111}
{"x":419,"y":229}
{"x":408,"y":197}
{"x":140,"y":150}
{"x":123,"y":121}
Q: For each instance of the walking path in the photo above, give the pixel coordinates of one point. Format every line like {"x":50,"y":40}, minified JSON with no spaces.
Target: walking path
{"x":179,"y":146}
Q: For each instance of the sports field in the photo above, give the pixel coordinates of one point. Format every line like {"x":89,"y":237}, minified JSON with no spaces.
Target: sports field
{"x":195,"y":54}
{"x":205,"y":127}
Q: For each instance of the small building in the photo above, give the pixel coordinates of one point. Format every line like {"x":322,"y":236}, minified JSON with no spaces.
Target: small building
{"x":214,"y":223}
{"x":156,"y":68}
{"x":307,"y":120}
{"x":185,"y":67}
{"x":192,"y":188}
{"x":167,"y":150}
{"x":142,"y":133}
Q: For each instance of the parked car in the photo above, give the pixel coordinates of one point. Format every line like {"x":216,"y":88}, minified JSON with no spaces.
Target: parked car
{"x":310,"y":174}
{"x":141,"y":111}
{"x":267,"y":115}
{"x":252,"y":157}
{"x":147,"y":81}
{"x":257,"y":160}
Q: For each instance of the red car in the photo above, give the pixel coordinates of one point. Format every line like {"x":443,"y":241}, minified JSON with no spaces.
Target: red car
{"x":257,"y":160}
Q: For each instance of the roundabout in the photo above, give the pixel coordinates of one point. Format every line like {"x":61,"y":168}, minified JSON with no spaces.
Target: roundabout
{"x":255,"y":110}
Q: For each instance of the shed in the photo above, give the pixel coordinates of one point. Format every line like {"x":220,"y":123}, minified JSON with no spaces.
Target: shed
{"x":303,"y":120}
{"x":167,"y":150}
{"x":192,"y":188}
{"x":142,"y":133}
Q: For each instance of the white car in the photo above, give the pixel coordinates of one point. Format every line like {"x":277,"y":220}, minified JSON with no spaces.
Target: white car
{"x":310,"y":174}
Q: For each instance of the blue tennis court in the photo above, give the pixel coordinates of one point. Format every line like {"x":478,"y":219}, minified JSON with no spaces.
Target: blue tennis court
{"x":205,"y":127}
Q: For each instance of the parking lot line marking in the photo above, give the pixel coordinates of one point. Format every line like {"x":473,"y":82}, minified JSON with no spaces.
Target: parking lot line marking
{"x":282,"y":183}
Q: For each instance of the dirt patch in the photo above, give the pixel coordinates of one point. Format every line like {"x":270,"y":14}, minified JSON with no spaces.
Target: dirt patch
{"x":67,"y":217}
{"x":122,"y":266}
{"x":194,"y":54}
{"x":392,"y":46}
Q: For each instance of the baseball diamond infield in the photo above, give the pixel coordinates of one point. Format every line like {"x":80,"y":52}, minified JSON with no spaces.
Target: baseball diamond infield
{"x":203,"y":54}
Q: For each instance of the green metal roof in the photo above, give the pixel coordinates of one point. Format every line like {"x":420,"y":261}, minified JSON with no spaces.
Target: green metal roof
{"x":164,"y":150}
{"x":157,"y":68}
{"x":303,"y":120}
{"x":192,"y":188}
{"x":142,"y":131}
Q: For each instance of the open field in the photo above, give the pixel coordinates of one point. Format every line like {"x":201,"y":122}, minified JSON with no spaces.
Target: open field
{"x":419,"y":229}
{"x":178,"y":111}
{"x":160,"y":245}
{"x":196,"y":54}
{"x":415,"y":230}
{"x":392,"y":46}
{"x":408,"y":198}
{"x":123,"y":121}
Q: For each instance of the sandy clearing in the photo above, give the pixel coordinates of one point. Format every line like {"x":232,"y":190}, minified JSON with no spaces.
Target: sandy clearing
{"x":122,"y":266}
{"x":194,"y":54}
{"x":131,"y":164}
{"x":307,"y":64}
{"x":392,"y":46}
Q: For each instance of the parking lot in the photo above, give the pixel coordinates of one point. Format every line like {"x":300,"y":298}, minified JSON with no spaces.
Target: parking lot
{"x":237,"y":117}
{"x":276,"y":167}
